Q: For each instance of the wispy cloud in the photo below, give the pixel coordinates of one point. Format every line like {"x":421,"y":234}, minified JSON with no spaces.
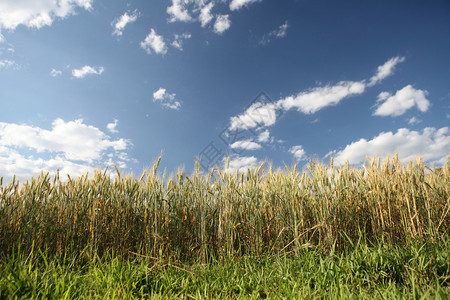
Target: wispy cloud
{"x":205,"y":14}
{"x":431,"y":144}
{"x":238,"y":4}
{"x":385,"y":70}
{"x":313,"y":100}
{"x":403,"y":100}
{"x":154,"y":42}
{"x":246,"y":145}
{"x":280,"y":32}
{"x":5,"y":64}
{"x":87,"y":70}
{"x":125,"y":19}
{"x":55,"y":73}
{"x":222,"y":24}
{"x":178,"y":40}
{"x":166,"y":99}
{"x":74,"y":147}
{"x":37,"y":14}
{"x":414,"y":120}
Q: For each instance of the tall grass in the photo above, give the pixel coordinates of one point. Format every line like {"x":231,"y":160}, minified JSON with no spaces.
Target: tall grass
{"x":221,"y":214}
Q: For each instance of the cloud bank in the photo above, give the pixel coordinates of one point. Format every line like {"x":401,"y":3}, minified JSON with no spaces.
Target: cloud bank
{"x":431,"y":144}
{"x":73,"y":147}
{"x":36,"y":14}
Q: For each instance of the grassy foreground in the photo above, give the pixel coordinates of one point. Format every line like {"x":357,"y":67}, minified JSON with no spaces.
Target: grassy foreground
{"x":419,"y":270}
{"x":378,"y":231}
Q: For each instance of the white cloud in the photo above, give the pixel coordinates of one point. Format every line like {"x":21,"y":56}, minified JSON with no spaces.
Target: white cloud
{"x":125,"y":19}
{"x":12,"y":163}
{"x":431,"y":144}
{"x":222,"y":24}
{"x":8,"y":64}
{"x":154,"y":42}
{"x":263,"y":137}
{"x":205,"y":14}
{"x":55,"y":73}
{"x":240,"y":163}
{"x":238,"y":4}
{"x":36,"y":14}
{"x":385,"y":70}
{"x":87,"y":70}
{"x":165,"y":99}
{"x":246,"y":145}
{"x":318,"y":98}
{"x":404,"y":99}
{"x":308,"y":102}
{"x":178,"y":11}
{"x":280,"y":32}
{"x":414,"y":120}
{"x":73,"y":147}
{"x":298,"y":152}
{"x":178,"y":40}
{"x":112,"y":126}
{"x":258,"y":114}
{"x":2,"y":38}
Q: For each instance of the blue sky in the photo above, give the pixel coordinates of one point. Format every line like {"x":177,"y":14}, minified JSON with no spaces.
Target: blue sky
{"x":85,"y":84}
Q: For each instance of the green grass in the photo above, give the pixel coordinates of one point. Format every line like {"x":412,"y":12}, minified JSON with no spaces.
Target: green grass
{"x":419,"y":270}
{"x":379,"y":231}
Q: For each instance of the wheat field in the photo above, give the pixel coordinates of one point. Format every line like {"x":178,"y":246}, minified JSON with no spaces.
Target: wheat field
{"x":222,"y":214}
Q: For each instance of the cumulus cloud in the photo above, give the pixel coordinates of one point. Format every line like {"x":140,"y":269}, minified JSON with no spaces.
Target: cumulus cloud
{"x":222,"y":24}
{"x":238,"y":4}
{"x":162,"y":97}
{"x":280,"y":32}
{"x":245,"y":145}
{"x":298,"y":152}
{"x":431,"y":144}
{"x":55,"y":72}
{"x":112,"y":127}
{"x":74,"y":147}
{"x":385,"y":70}
{"x":178,"y":11}
{"x":240,"y":164}
{"x":87,"y":70}
{"x":307,"y":102}
{"x":125,"y":19}
{"x":404,"y":99}
{"x":37,"y":14}
{"x":178,"y":40}
{"x":154,"y":42}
